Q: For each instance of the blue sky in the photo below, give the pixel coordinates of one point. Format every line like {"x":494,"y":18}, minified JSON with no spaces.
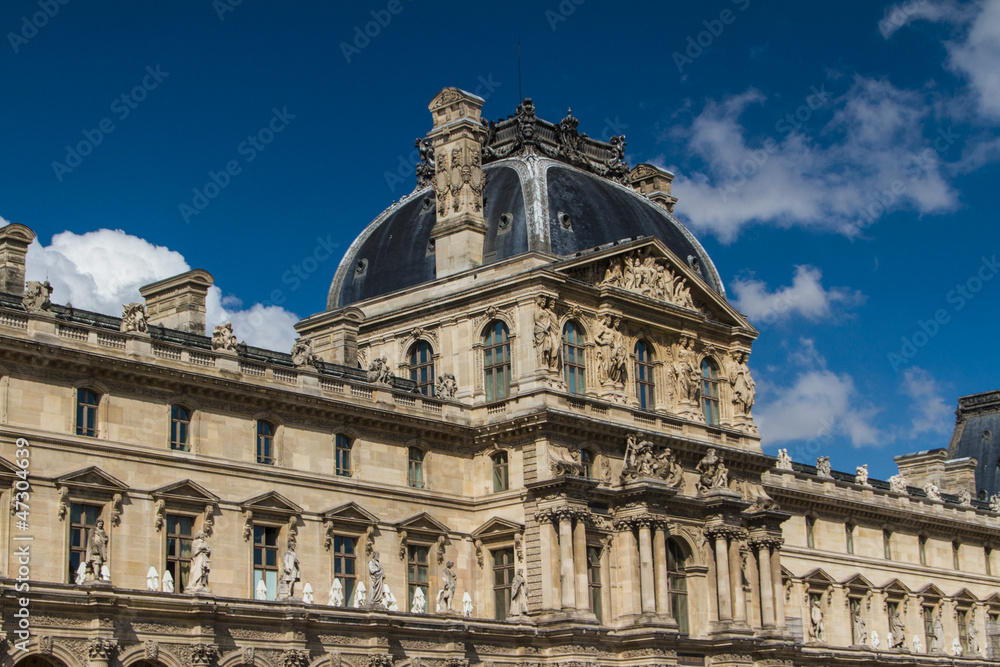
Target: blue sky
{"x":838,"y":161}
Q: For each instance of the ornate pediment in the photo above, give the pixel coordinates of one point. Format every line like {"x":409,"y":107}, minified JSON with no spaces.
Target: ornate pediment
{"x":271,"y":502}
{"x":423,"y":524}
{"x":647,"y":268}
{"x":896,"y":587}
{"x":931,"y":591}
{"x":185,"y":491}
{"x":858,"y":581}
{"x":91,"y":479}
{"x":352,"y":514}
{"x":818,"y":577}
{"x":497,"y":528}
{"x":8,"y":471}
{"x":964,"y":595}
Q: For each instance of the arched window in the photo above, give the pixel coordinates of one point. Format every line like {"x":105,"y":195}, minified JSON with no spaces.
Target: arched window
{"x":710,"y":391}
{"x":265,"y":441}
{"x":587,"y":461}
{"x":87,"y":401}
{"x":342,"y":455}
{"x":422,"y":367}
{"x":180,"y":428}
{"x":501,"y":472}
{"x":573,"y":366}
{"x":496,"y":361}
{"x":677,"y":584}
{"x":415,"y":474}
{"x":644,"y":376}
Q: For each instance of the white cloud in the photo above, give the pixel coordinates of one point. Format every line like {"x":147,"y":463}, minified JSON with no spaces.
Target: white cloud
{"x":931,"y":414}
{"x":816,"y":407}
{"x":902,"y":14}
{"x":103,"y":269}
{"x":874,"y":158}
{"x":805,"y":296}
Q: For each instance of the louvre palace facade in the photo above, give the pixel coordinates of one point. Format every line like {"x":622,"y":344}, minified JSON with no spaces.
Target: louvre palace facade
{"x":520,"y":434}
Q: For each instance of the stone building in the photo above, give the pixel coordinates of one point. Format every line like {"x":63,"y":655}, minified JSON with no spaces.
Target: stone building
{"x":520,"y":434}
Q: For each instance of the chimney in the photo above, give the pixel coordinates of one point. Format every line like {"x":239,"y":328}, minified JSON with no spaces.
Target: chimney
{"x":14,"y":242}
{"x":653,"y":182}
{"x":179,"y":302}
{"x":334,"y":335}
{"x":457,"y":138}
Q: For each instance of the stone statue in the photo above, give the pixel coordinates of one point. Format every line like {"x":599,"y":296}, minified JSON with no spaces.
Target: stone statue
{"x":897,"y":484}
{"x":545,"y":334}
{"x":612,"y":358}
{"x":744,"y":388}
{"x":378,"y":371}
{"x":360,"y":595}
{"x":639,"y":459}
{"x":965,"y":497}
{"x":956,"y":647}
{"x":97,"y":550}
{"x":564,"y":462}
{"x":152,"y":579}
{"x":200,"y":564}
{"x":223,"y":337}
{"x":168,"y":582}
{"x":861,"y":475}
{"x":668,"y":469}
{"x":336,"y":596}
{"x":860,"y":631}
{"x":823,"y":468}
{"x":784,"y":461}
{"x":36,"y":297}
{"x":817,"y":624}
{"x":972,"y":635}
{"x":302,"y":353}
{"x":446,"y":386}
{"x":466,"y":604}
{"x":260,"y":593}
{"x":134,"y":319}
{"x":933,"y":491}
{"x":447,"y":591}
{"x":419,"y":601}
{"x":389,"y":600}
{"x":995,"y":503}
{"x":376,"y":578}
{"x":688,"y":377}
{"x":289,"y":572}
{"x":518,"y":595}
{"x":307,"y":593}
{"x":875,"y":640}
{"x":713,"y":472}
{"x":937,"y":637}
{"x":918,"y":646}
{"x":897,"y":631}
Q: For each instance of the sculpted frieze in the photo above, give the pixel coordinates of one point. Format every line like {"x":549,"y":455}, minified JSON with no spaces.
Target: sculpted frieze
{"x":639,"y":272}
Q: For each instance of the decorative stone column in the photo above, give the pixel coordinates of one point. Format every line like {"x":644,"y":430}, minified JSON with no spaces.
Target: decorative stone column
{"x":100,"y":651}
{"x":660,"y":570}
{"x":629,"y":553}
{"x":767,"y":615}
{"x":551,"y":589}
{"x":580,"y":561}
{"x":736,"y":578}
{"x":567,"y":569}
{"x":777,"y":583}
{"x":646,"y":588}
{"x":722,"y":574}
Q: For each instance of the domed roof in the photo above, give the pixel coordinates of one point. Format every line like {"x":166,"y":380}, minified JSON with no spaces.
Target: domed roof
{"x":569,"y":199}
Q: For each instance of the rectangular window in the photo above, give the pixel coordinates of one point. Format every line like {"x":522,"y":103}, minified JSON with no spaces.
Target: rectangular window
{"x":855,"y":606}
{"x":811,"y":532}
{"x":501,"y":477}
{"x":415,"y":474}
{"x":928,"y":627}
{"x":594,"y":581}
{"x":922,"y":549}
{"x":180,"y":426}
{"x":503,"y":574}
{"x":265,"y":442}
{"x":849,"y":537}
{"x":887,"y":544}
{"x":179,"y":535}
{"x":265,"y":560}
{"x":416,"y":572}
{"x":956,"y":561}
{"x":81,"y":519}
{"x":963,"y":630}
{"x":342,"y":454}
{"x":86,"y":412}
{"x":988,"y":557}
{"x":344,"y":565}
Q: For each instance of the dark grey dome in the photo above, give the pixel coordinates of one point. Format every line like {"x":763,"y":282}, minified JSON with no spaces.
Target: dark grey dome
{"x":530,"y":204}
